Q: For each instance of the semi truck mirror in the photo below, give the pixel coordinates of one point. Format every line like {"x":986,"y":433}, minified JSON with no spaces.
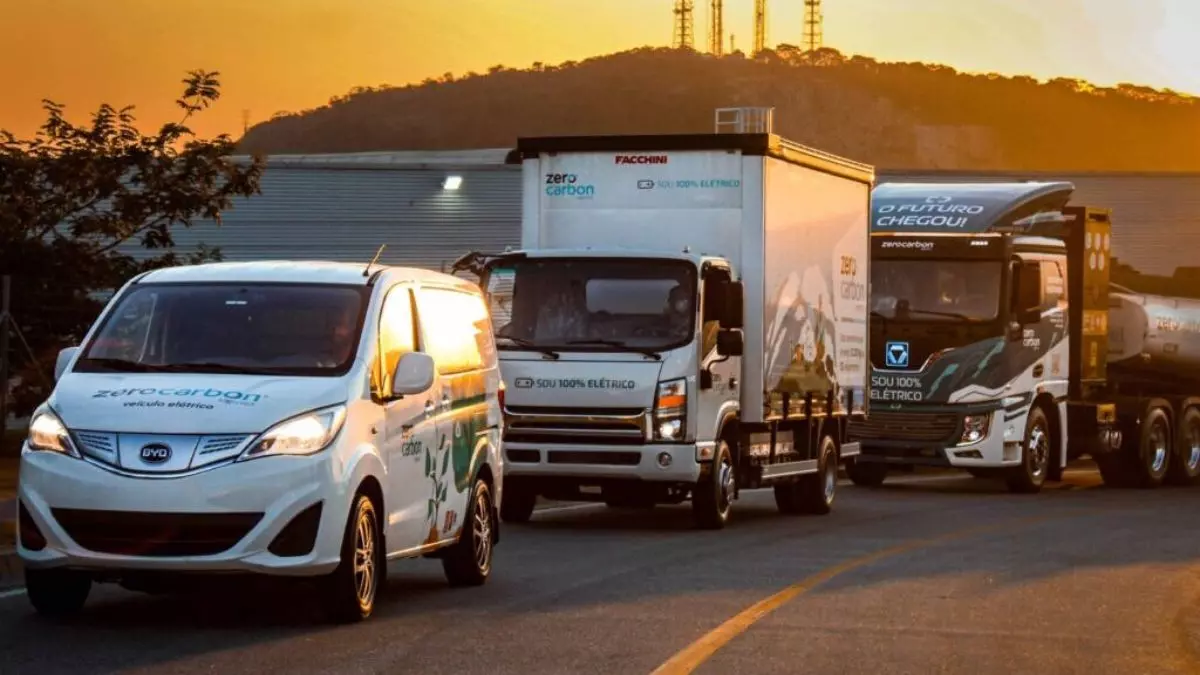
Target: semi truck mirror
{"x":1027,"y":292}
{"x":730,"y":342}
{"x":731,"y":307}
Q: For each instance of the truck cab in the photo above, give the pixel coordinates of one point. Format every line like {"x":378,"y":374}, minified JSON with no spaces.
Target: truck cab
{"x":970,"y":348}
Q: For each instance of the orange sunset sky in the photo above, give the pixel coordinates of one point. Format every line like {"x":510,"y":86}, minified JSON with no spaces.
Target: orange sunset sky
{"x":277,"y":55}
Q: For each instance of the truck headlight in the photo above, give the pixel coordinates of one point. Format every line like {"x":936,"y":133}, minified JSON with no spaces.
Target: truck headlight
{"x":47,"y":433}
{"x":305,"y":434}
{"x":975,"y":428}
{"x":670,"y":411}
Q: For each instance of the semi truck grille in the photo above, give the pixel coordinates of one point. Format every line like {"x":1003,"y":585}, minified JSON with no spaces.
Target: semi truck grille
{"x":893,"y":426}
{"x":607,"y":426}
{"x":155,"y":535}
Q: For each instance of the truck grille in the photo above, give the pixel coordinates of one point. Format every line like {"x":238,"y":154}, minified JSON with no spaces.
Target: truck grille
{"x":894,"y":426}
{"x":155,"y":535}
{"x":608,"y":426}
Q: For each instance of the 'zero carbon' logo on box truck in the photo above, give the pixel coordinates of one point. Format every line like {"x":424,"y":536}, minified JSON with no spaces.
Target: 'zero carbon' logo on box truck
{"x":568,"y":185}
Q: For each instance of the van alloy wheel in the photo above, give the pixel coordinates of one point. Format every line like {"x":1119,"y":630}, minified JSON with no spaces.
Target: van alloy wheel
{"x":365,"y":558}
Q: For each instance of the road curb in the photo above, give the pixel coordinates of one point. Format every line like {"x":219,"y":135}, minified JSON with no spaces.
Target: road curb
{"x":11,"y":574}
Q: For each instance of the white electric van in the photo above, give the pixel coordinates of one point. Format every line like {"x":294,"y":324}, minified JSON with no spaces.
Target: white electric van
{"x":302,"y":419}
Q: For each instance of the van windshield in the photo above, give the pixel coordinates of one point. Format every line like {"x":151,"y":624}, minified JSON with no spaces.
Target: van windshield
{"x":593,"y":304}
{"x":267,"y":329}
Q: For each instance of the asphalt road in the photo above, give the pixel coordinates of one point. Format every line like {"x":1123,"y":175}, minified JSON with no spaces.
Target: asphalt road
{"x":945,"y":575}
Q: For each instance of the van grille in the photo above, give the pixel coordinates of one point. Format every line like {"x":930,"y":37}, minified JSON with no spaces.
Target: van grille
{"x":155,"y":535}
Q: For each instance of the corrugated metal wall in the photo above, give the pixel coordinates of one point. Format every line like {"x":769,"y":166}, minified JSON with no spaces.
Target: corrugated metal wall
{"x":1156,"y":217}
{"x":344,"y":214}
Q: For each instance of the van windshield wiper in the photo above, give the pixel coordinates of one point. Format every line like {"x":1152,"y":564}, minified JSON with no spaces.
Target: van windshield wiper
{"x":527,"y":344}
{"x":649,"y":353}
{"x":209,"y":367}
{"x":118,"y":365}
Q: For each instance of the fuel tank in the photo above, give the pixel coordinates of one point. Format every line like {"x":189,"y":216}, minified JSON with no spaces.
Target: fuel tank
{"x":1154,"y":332}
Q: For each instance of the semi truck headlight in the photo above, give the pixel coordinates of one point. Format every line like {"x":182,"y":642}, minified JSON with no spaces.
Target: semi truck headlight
{"x":47,"y":433}
{"x":305,"y":434}
{"x":975,"y":428}
{"x":670,"y":411}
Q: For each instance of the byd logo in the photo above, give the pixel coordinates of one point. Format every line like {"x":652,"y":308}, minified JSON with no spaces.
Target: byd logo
{"x":155,"y":453}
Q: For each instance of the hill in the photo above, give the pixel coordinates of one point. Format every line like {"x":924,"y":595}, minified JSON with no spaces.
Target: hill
{"x":894,"y":115}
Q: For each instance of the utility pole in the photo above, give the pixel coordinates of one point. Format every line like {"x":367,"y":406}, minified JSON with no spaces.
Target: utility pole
{"x":760,"y":27}
{"x":5,"y":318}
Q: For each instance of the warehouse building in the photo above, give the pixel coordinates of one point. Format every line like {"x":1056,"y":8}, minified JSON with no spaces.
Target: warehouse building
{"x":431,"y":207}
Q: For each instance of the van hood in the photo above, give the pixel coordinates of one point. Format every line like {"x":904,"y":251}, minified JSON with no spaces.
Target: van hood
{"x":580,"y":383}
{"x":187,"y":404}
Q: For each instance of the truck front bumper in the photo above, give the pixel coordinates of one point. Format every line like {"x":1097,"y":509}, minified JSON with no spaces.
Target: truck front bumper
{"x":936,"y":438}
{"x":658,"y":463}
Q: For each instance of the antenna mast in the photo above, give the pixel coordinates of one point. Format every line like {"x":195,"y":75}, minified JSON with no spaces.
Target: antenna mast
{"x":760,"y":26}
{"x":684,"y":28}
{"x":367,"y":272}
{"x":716,"y":27}
{"x":814,"y":31}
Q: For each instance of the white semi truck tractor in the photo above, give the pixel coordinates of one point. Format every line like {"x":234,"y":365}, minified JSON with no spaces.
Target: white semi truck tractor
{"x":999,"y":345}
{"x":686,"y":318}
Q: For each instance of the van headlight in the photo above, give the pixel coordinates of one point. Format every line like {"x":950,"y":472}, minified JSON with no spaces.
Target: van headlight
{"x":670,"y":411}
{"x":47,"y":433}
{"x":305,"y":434}
{"x":975,"y":428}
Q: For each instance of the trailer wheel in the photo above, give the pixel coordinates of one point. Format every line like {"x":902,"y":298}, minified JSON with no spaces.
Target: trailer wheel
{"x":814,"y":493}
{"x":1153,"y":450}
{"x":1184,"y":468}
{"x":712,"y":499}
{"x":1030,"y":476}
{"x":866,"y":474}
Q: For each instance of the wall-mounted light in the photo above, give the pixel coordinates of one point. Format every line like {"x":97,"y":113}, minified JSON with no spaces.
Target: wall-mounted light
{"x":452,"y":183}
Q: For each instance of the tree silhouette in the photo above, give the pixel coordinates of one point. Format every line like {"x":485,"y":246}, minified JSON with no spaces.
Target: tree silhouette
{"x":75,"y":199}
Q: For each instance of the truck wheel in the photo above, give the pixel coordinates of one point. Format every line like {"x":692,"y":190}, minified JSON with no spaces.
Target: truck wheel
{"x":517,"y":502}
{"x":1035,"y":455}
{"x":57,"y":593}
{"x":712,"y":499}
{"x":1154,"y":449}
{"x":814,"y":493}
{"x":1184,"y":468}
{"x":866,"y":474}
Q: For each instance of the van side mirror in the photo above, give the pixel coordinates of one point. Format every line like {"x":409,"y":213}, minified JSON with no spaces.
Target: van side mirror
{"x":732,"y":306}
{"x":1027,"y":292}
{"x":414,"y":374}
{"x":730,"y":342}
{"x":65,"y":356}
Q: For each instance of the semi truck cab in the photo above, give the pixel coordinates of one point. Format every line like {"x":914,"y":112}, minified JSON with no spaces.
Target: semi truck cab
{"x":970,"y":349}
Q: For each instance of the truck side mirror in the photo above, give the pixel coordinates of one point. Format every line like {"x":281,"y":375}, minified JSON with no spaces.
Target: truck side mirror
{"x":732,"y":307}
{"x":730,"y":342}
{"x":1027,"y":292}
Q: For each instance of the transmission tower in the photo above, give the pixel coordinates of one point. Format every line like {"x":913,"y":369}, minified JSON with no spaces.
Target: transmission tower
{"x":683,"y":25}
{"x":760,"y":26}
{"x":716,"y":27}
{"x":814,"y":31}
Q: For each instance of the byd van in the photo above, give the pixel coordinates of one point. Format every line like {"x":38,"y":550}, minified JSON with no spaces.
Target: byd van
{"x":297,"y":419}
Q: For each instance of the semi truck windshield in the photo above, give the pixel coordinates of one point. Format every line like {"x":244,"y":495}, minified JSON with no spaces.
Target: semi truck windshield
{"x":590,"y":304}
{"x":936,"y":290}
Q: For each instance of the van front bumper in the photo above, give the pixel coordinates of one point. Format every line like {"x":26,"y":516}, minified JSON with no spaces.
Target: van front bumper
{"x":658,"y":463}
{"x":221,"y":519}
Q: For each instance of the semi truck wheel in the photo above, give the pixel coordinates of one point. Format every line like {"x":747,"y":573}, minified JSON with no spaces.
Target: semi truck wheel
{"x":866,"y":474}
{"x":1184,"y":468}
{"x":1036,"y":451}
{"x":1154,"y":449}
{"x":712,"y":498}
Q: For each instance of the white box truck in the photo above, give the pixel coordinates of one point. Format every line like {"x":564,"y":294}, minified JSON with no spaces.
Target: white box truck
{"x":686,"y":318}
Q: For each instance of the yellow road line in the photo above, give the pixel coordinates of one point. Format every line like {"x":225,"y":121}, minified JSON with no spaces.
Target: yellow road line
{"x":695,"y":654}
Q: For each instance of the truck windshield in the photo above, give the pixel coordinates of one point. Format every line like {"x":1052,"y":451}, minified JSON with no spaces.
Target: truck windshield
{"x":268,"y":329}
{"x":936,"y":290}
{"x":593,"y":304}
